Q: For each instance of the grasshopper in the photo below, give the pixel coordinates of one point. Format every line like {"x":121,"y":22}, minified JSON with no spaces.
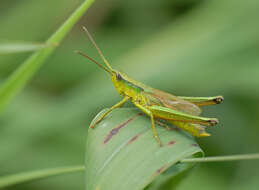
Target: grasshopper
{"x":180,"y":111}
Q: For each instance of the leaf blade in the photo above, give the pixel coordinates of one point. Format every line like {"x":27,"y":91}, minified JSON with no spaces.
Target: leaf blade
{"x":121,"y":152}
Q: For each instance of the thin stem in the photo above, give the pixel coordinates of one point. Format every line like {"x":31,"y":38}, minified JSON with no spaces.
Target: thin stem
{"x":223,"y":158}
{"x":20,"y":77}
{"x":14,"y":179}
{"x":40,"y":174}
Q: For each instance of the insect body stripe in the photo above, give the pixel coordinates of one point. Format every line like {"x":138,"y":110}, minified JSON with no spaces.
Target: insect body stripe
{"x":129,"y":84}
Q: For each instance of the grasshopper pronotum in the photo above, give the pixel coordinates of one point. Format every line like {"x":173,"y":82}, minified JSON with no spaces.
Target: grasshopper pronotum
{"x":181,"y":111}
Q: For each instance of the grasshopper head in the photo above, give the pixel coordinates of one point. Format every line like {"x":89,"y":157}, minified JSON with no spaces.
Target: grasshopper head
{"x":118,"y":81}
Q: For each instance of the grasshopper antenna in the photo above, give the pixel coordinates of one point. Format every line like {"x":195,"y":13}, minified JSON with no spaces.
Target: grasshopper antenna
{"x":98,"y":49}
{"x":91,"y":59}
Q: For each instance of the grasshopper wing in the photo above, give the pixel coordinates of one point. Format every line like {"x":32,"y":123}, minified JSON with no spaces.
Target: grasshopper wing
{"x":158,"y":97}
{"x":161,"y":98}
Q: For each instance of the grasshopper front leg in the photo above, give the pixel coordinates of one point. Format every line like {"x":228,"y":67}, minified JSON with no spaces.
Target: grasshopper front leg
{"x":119,"y":104}
{"x":203,"y":101}
{"x":149,"y":113}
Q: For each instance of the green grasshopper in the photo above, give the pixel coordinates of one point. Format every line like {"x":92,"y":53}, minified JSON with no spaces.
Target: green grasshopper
{"x":181,"y":111}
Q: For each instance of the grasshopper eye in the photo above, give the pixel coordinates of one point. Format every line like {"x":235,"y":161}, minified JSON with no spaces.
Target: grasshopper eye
{"x":118,"y":77}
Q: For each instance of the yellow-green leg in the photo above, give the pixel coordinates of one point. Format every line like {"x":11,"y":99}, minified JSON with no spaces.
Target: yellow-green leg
{"x":171,"y":114}
{"x":203,"y":101}
{"x":149,"y":113}
{"x":119,"y":104}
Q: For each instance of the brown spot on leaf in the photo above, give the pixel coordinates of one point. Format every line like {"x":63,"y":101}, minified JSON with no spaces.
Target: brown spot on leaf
{"x":140,"y":114}
{"x":133,"y":139}
{"x":171,"y":143}
{"x":160,"y":170}
{"x":176,"y":129}
{"x":115,"y":130}
{"x":196,"y":145}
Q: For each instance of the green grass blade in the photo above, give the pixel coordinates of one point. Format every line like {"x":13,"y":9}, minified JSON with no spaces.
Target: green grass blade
{"x":35,"y":175}
{"x":161,"y":180}
{"x":121,"y":153}
{"x":18,"y":47}
{"x":24,"y":73}
{"x":223,"y":158}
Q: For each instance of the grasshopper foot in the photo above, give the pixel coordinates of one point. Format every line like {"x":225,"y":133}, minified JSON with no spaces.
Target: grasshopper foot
{"x":218,"y":99}
{"x":160,"y":144}
{"x":95,"y":123}
{"x":158,"y":141}
{"x":213,"y":122}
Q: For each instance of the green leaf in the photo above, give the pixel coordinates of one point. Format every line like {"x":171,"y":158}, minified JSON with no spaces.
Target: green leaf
{"x":24,"y":73}
{"x":121,"y":152}
{"x":18,"y":47}
{"x":35,"y":175}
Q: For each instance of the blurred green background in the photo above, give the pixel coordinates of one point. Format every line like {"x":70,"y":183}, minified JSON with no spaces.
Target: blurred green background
{"x":186,"y":47}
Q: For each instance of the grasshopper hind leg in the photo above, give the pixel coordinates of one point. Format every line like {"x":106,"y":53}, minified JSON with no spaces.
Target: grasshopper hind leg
{"x":174,"y":115}
{"x":204,"y":101}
